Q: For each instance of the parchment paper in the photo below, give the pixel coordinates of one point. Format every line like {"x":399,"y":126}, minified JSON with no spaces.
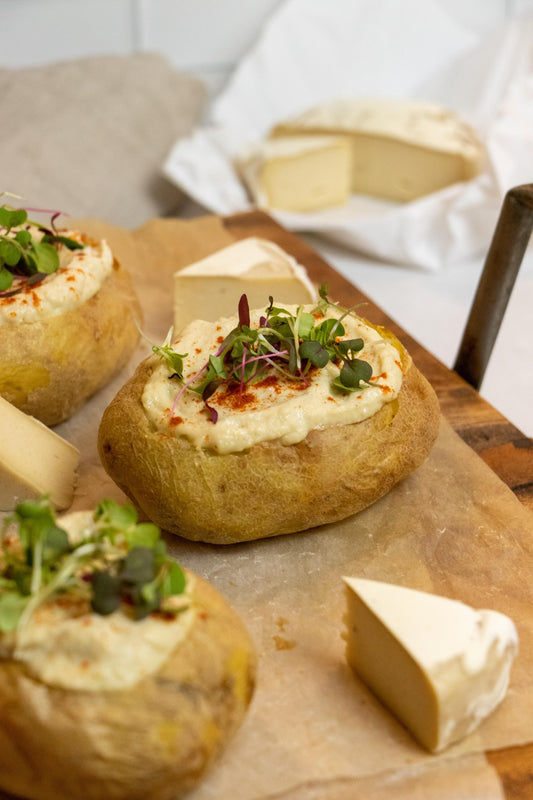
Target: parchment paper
{"x":452,"y":527}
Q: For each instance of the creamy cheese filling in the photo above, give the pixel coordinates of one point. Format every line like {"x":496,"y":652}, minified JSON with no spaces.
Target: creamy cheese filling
{"x":275,"y":408}
{"x":80,"y":275}
{"x":65,"y":644}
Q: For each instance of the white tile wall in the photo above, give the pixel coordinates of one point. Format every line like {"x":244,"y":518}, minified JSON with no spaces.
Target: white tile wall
{"x":39,"y":31}
{"x":515,"y":8}
{"x":478,"y":16}
{"x":204,"y":31}
{"x":206,"y":37}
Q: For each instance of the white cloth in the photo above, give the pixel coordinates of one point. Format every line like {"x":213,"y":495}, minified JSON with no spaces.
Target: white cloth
{"x":311,"y":52}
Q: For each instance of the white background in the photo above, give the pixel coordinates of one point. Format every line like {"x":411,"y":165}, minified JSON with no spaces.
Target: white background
{"x":208,"y":38}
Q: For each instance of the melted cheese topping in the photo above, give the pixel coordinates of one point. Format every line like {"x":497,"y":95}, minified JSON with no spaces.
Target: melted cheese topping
{"x":274,"y":408}
{"x":65,"y":644}
{"x":80,"y":275}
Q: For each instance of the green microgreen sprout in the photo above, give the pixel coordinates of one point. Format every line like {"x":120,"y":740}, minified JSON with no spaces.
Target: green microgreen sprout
{"x":23,"y":258}
{"x":283,"y":343}
{"x":174,"y":361}
{"x":117,"y":562}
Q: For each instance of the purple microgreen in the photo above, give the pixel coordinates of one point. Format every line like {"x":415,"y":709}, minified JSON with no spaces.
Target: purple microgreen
{"x":242,"y":370}
{"x":244,"y":312}
{"x":213,"y":412}
{"x":213,"y":370}
{"x":55,"y":215}
{"x":187,"y":385}
{"x":285,"y":343}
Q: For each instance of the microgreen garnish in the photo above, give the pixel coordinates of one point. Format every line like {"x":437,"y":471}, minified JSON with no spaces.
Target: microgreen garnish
{"x":24,"y":257}
{"x":283,"y":343}
{"x":173,"y":360}
{"x":117,"y":562}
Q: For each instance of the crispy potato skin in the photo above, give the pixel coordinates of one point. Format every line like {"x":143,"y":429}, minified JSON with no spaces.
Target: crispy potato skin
{"x":269,"y":489}
{"x":49,"y":369}
{"x":152,"y":742}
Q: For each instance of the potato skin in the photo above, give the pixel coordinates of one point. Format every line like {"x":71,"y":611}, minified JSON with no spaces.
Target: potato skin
{"x":50,"y":368}
{"x":151,"y":742}
{"x":269,"y":489}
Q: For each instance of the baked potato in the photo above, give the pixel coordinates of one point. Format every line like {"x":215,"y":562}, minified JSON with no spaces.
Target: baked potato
{"x":288,"y":478}
{"x":87,"y":715}
{"x":66,"y":333}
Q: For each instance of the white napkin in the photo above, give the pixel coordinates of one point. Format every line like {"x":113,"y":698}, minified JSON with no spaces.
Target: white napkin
{"x":311,"y":52}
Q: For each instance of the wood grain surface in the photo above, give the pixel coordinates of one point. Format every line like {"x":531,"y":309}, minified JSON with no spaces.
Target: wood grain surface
{"x":497,"y":441}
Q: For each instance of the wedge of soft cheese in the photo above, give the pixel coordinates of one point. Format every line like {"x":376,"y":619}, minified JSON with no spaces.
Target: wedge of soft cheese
{"x":33,"y":461}
{"x":298,"y":173}
{"x":401,"y":149}
{"x":440,"y":666}
{"x":211,"y":288}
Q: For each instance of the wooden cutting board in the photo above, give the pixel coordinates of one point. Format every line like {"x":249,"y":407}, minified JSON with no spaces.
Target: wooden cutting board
{"x":507,"y":451}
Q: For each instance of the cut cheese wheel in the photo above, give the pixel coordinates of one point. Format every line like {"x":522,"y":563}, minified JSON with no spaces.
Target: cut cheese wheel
{"x":439,"y":665}
{"x":401,"y":149}
{"x":298,"y":173}
{"x":33,"y":461}
{"x":211,"y":288}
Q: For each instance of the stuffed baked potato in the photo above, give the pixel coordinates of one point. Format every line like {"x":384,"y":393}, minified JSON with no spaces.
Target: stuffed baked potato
{"x":180,"y":446}
{"x":101,"y":704}
{"x":66,"y":328}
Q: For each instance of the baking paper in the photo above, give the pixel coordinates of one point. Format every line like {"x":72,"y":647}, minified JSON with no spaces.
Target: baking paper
{"x":311,"y":52}
{"x":452,"y":527}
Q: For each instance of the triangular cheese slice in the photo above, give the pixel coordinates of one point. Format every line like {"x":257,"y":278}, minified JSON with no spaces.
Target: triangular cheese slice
{"x":439,"y":665}
{"x":211,"y":288}
{"x":33,"y":461}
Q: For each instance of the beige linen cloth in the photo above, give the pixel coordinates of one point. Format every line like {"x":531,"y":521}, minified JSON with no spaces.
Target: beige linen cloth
{"x":88,"y":136}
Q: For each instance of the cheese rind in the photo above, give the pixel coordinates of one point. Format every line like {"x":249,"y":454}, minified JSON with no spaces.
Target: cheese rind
{"x":401,"y":149}
{"x":33,"y":461}
{"x":440,"y":666}
{"x":211,"y":288}
{"x":300,"y":174}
